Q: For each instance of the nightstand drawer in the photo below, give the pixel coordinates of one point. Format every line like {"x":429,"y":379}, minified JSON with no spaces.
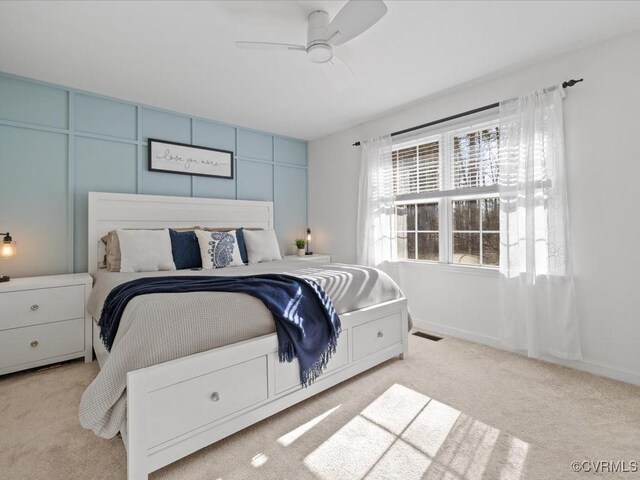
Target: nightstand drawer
{"x":33,"y":307}
{"x":30,"y":344}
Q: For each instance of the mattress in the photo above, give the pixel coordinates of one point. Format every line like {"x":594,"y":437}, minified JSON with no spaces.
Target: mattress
{"x":158,"y":328}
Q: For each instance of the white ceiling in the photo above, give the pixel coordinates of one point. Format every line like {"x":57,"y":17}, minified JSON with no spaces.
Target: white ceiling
{"x":182,"y":55}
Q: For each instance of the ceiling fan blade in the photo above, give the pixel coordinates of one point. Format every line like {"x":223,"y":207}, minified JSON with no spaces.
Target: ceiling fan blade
{"x":270,"y":46}
{"x":354,"y":18}
{"x":337,"y":73}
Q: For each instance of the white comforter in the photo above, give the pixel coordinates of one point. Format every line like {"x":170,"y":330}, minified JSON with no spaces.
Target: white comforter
{"x":161,"y":327}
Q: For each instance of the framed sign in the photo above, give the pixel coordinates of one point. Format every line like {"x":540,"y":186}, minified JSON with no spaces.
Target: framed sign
{"x":186,"y":159}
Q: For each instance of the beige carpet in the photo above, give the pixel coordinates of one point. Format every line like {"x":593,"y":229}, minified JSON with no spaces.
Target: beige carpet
{"x":451,"y":410}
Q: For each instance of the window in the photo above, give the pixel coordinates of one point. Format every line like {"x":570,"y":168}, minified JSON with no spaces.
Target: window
{"x":418,"y":231}
{"x":476,"y":235}
{"x":446,"y":186}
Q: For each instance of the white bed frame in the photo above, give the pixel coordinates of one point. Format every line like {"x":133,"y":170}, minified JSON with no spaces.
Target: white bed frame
{"x":178,"y":407}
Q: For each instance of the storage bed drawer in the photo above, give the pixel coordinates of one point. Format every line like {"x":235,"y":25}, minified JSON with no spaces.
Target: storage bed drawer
{"x":376,"y":335}
{"x":288,"y":374}
{"x":196,"y":402}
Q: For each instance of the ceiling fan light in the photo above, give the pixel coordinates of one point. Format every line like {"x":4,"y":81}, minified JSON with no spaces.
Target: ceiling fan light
{"x":320,"y":53}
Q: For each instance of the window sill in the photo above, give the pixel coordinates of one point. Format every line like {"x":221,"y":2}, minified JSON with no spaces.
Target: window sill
{"x":452,"y":268}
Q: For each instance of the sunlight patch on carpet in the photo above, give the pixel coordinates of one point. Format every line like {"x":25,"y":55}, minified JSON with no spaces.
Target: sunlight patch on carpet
{"x":296,"y":433}
{"x":351,"y":452}
{"x":515,"y":459}
{"x":403,"y":402}
{"x":259,"y":460}
{"x":405,"y":434}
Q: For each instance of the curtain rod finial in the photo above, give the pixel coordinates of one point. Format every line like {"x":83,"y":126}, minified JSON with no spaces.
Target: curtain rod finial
{"x":571,"y":83}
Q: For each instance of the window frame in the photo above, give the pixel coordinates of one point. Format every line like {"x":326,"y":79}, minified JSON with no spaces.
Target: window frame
{"x":445,"y":196}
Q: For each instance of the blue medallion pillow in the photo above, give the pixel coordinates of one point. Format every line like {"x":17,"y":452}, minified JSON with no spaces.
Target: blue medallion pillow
{"x":219,"y":249}
{"x":185,"y":249}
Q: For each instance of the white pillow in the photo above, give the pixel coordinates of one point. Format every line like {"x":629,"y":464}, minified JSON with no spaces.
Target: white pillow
{"x":219,"y":249}
{"x":145,"y":250}
{"x":262,"y":245}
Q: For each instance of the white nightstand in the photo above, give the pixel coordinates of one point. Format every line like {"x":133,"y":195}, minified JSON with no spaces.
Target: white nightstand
{"x":43,"y":320}
{"x":316,"y":257}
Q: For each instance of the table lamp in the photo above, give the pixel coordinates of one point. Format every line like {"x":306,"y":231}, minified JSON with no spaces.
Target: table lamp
{"x":308,"y":252}
{"x":8,"y":250}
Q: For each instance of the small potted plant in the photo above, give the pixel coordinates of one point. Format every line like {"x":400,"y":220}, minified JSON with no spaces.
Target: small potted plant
{"x":300,"y":243}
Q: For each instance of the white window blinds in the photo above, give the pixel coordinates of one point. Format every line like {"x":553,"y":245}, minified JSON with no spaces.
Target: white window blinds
{"x":416,"y":168}
{"x":447,"y":162}
{"x":475,"y":158}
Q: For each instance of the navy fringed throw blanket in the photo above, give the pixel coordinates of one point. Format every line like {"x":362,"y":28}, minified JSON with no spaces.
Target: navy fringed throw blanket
{"x":307,"y":325}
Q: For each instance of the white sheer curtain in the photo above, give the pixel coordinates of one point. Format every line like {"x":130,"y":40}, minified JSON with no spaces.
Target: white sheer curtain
{"x":539,"y":315}
{"x":376,"y":228}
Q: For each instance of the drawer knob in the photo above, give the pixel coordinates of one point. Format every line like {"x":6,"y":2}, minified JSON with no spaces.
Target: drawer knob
{"x":380,"y":334}
{"x":34,"y":344}
{"x":34,"y":307}
{"x":215,"y":396}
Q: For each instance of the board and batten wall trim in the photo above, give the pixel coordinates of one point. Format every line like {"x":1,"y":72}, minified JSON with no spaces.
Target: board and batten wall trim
{"x":58,"y":143}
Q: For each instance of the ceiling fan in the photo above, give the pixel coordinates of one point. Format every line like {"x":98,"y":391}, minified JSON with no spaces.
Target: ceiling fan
{"x":354,"y":18}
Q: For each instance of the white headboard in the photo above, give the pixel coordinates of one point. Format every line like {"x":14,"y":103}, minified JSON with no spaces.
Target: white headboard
{"x":110,"y":211}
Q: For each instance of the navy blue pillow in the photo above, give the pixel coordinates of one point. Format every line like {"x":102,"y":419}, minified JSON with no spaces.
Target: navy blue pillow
{"x":185,"y":250}
{"x":241,"y":246}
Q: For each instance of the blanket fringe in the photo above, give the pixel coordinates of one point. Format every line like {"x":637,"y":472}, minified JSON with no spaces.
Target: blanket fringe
{"x":311,"y":374}
{"x":286,"y":352}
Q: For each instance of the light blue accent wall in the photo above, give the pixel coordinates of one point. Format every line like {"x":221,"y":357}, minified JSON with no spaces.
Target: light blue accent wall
{"x":36,"y":104}
{"x":57,"y":144}
{"x":290,"y":152}
{"x":254,"y":145}
{"x":165,"y":126}
{"x":95,"y":115}
{"x":255,"y":180}
{"x":289,"y":190}
{"x":101,"y":165}
{"x":33,"y":199}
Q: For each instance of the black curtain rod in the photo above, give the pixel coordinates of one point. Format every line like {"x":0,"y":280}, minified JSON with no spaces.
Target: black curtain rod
{"x":567,"y":84}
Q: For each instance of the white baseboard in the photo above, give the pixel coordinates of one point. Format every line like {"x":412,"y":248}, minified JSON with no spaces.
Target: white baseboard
{"x":601,"y":370}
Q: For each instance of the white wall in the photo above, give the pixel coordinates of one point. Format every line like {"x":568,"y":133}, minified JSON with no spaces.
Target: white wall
{"x":602,"y":130}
